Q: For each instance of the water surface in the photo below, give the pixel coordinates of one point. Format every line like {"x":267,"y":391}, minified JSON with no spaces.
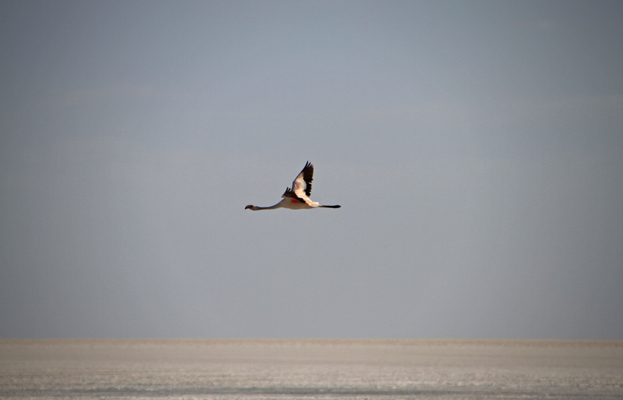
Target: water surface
{"x":320,"y":369}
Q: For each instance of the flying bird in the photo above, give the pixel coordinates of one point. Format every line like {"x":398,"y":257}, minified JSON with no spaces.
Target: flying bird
{"x":297,"y":198}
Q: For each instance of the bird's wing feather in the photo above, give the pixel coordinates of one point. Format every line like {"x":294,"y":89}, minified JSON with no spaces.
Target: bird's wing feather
{"x":302,"y":185}
{"x":290,"y":194}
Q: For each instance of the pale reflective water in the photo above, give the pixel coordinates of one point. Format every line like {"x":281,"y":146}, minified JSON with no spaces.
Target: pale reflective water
{"x":319,"y":369}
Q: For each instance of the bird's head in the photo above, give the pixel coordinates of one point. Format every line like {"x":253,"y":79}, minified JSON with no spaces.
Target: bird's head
{"x":251,"y":206}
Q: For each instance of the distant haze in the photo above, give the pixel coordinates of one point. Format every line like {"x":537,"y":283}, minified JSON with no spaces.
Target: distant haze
{"x":476,"y":148}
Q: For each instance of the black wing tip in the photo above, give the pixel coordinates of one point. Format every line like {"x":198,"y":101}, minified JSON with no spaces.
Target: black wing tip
{"x":308,"y":176}
{"x":308,"y":168}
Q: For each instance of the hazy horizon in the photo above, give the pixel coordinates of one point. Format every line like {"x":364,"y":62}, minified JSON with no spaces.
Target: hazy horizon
{"x":476,"y":149}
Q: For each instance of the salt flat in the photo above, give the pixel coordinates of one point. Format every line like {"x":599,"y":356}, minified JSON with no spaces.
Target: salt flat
{"x":309,"y":368}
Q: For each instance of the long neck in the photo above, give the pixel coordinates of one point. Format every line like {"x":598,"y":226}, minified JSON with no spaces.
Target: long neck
{"x":267,"y":208}
{"x":330,"y":206}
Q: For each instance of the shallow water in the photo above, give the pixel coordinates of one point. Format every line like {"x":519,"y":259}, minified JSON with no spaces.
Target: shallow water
{"x":320,"y":369}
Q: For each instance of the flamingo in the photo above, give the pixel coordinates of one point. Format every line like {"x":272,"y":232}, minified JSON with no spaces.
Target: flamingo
{"x":297,"y":198}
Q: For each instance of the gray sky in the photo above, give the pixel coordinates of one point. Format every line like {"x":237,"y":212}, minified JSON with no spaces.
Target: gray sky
{"x":476,"y":149}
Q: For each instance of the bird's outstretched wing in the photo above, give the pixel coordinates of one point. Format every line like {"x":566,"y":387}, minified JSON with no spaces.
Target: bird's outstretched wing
{"x":290,"y":194}
{"x":302,"y":184}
